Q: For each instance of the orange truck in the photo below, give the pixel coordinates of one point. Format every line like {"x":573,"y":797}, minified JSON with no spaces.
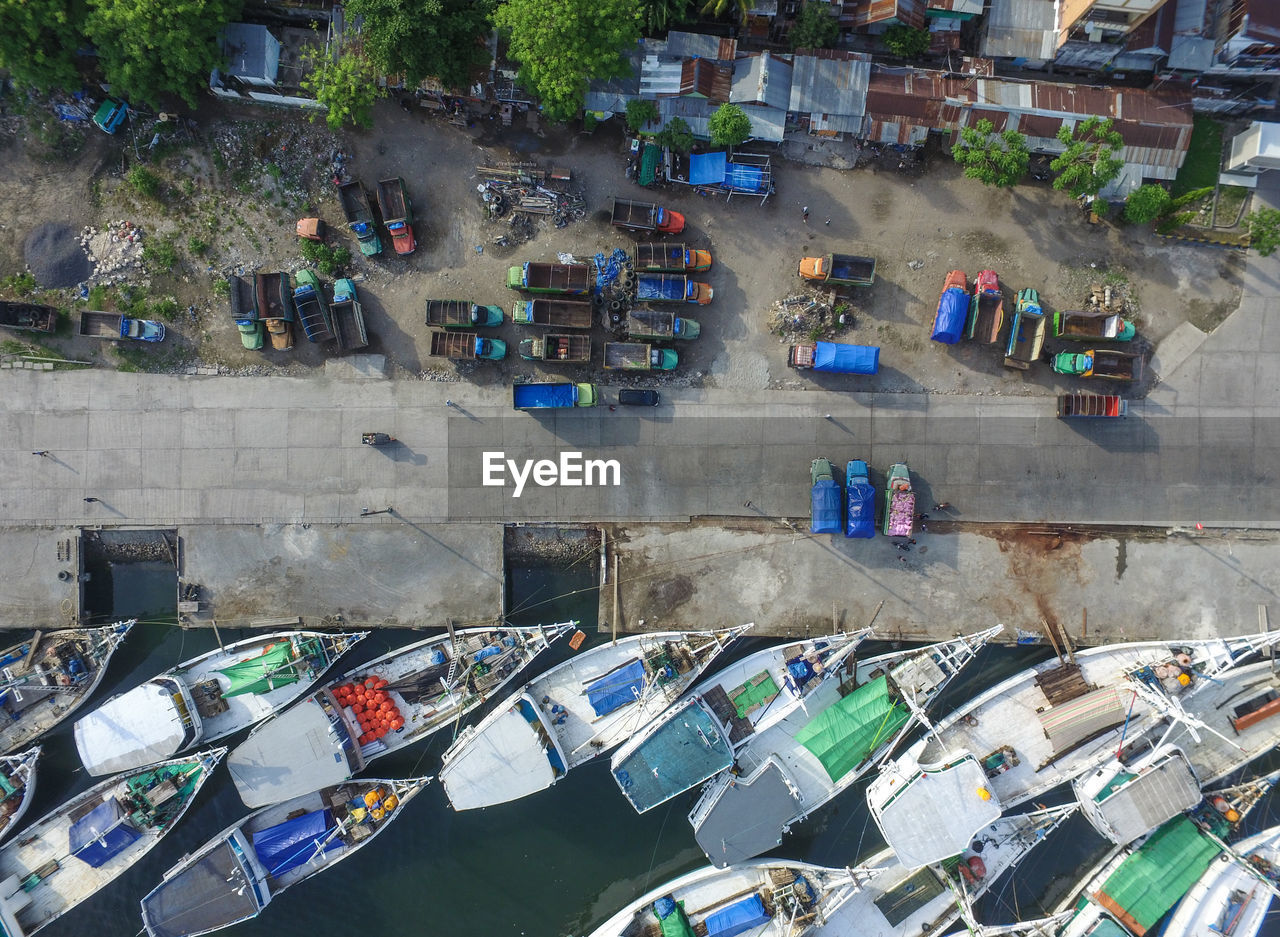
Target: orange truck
{"x":839,"y":269}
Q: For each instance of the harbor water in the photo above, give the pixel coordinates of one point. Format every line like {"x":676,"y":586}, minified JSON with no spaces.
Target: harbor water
{"x":552,"y":865}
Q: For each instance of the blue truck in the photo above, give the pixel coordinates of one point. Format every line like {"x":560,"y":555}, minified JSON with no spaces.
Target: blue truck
{"x":541,"y":396}
{"x":824,"y":498}
{"x":671,"y":288}
{"x":860,"y":502}
{"x":114,"y":325}
{"x":835,"y":358}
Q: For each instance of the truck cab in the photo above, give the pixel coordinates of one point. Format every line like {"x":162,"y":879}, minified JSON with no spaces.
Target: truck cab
{"x":144,"y":330}
{"x":487,"y":317}
{"x":110,"y":115}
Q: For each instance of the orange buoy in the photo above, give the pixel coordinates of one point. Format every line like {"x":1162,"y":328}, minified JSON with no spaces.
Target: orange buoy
{"x":370,"y":798}
{"x":397,"y":723}
{"x":371,"y":682}
{"x":379,"y":697}
{"x":977,"y":867}
{"x":358,"y":709}
{"x":377,"y":813}
{"x":390,"y":803}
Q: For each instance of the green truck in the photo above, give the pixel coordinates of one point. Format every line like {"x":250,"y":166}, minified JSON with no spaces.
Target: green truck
{"x":556,"y":279}
{"x":462,"y":314}
{"x":552,"y":313}
{"x":544,"y":396}
{"x":638,"y":356}
{"x":645,"y":323}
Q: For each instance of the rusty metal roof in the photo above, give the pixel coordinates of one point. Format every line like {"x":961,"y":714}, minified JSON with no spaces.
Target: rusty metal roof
{"x":705,"y":78}
{"x":856,"y":13}
{"x":1264,"y":20}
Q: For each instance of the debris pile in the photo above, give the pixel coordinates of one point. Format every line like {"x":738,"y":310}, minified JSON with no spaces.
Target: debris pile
{"x":810,"y":316}
{"x":522,"y":190}
{"x":112,"y":250}
{"x":1107,"y":299}
{"x":55,"y":257}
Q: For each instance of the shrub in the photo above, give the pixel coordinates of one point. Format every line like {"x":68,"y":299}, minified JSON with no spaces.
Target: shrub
{"x":328,"y":260}
{"x":145,"y":182}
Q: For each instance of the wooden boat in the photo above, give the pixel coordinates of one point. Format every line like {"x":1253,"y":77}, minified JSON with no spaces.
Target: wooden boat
{"x":206,"y":698}
{"x":17,"y":787}
{"x":1231,"y":898}
{"x":844,"y":730}
{"x":1059,"y":720}
{"x":235,"y":875}
{"x":93,"y":838}
{"x":700,"y":736}
{"x":575,"y":712}
{"x":45,"y":679}
{"x":333,"y":733}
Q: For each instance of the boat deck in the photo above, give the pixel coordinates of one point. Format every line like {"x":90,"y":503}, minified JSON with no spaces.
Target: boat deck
{"x":1227,"y":899}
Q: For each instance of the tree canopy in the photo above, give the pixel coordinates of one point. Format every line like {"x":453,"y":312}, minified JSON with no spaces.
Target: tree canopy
{"x":1146,"y":203}
{"x":998,"y":159}
{"x":347,"y":88}
{"x":441,"y":39}
{"x":561,"y":45}
{"x":1091,"y":157}
{"x":905,"y":42}
{"x":729,"y":125}
{"x":739,"y":8}
{"x":640,"y":111}
{"x":39,"y":40}
{"x":676,"y":134}
{"x":814,"y":27}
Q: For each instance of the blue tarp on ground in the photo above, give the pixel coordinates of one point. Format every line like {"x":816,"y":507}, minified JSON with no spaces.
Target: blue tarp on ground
{"x":953,"y":310}
{"x":101,"y":834}
{"x":292,"y":843}
{"x":707,"y":168}
{"x":617,"y":689}
{"x":824,"y":508}
{"x":738,"y":918}
{"x":860,"y":496}
{"x":742,"y":178}
{"x":846,"y":359}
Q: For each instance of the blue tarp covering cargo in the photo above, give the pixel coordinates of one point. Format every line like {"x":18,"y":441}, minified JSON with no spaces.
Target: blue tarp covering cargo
{"x":846,"y":359}
{"x":660,"y":286}
{"x":824,"y":508}
{"x":742,"y":178}
{"x":860,"y":497}
{"x":738,"y":918}
{"x":102,"y":833}
{"x":292,"y":843}
{"x":616,"y":689}
{"x":707,"y":168}
{"x":953,"y":310}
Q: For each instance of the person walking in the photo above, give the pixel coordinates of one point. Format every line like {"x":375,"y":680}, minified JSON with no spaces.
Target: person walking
{"x":804,"y":212}
{"x":942,"y":506}
{"x":43,"y":452}
{"x":91,"y":500}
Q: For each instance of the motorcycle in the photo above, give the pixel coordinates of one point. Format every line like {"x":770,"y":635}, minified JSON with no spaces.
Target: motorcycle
{"x":376,"y":439}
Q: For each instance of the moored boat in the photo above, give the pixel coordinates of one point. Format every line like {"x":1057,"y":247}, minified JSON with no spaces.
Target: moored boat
{"x":206,"y":698}
{"x":89,"y":841}
{"x":845,"y":728}
{"x":47,"y":678}
{"x":334,"y":732}
{"x":1231,"y":899}
{"x":235,"y":875}
{"x":699,"y":737}
{"x":17,"y":787}
{"x":574,"y":712}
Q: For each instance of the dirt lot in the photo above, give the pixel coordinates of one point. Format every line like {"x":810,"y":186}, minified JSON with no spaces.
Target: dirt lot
{"x":247,"y":173}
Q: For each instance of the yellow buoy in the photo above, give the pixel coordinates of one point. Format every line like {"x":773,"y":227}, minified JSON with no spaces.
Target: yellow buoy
{"x":377,"y":813}
{"x":390,"y":803}
{"x":984,"y":793}
{"x":1184,"y":679}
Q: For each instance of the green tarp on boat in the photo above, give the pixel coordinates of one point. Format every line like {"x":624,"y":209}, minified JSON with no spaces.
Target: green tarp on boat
{"x":676,"y":923}
{"x":1152,"y":880}
{"x":844,"y":734}
{"x":262,"y":673}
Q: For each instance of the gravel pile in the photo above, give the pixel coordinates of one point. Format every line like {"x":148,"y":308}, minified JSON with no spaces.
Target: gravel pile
{"x":54,"y":256}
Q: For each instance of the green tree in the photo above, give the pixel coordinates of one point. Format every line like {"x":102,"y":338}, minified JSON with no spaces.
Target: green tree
{"x":720,"y":7}
{"x":150,"y":48}
{"x":561,"y":45}
{"x":729,"y":125}
{"x":1146,"y":203}
{"x":39,"y":40}
{"x":998,"y":159}
{"x":905,"y":42}
{"x":1264,"y":230}
{"x":677,"y":135}
{"x":661,"y":15}
{"x":640,"y":111}
{"x":441,"y":39}
{"x":814,"y":28}
{"x":1090,"y":160}
{"x":347,"y":88}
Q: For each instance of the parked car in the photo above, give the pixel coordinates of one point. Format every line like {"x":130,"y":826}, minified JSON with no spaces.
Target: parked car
{"x":638,"y":398}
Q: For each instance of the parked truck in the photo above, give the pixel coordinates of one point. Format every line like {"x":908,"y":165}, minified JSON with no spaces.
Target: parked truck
{"x":560,"y":349}
{"x":554,"y":313}
{"x":835,"y":358}
{"x":899,"y":502}
{"x":466,"y":346}
{"x":860,"y":502}
{"x":986,"y":310}
{"x":348,"y":316}
{"x":670,"y":288}
{"x":670,"y":258}
{"x":313,"y":311}
{"x":645,"y":216}
{"x":1100,"y":363}
{"x":359,"y":215}
{"x":824,"y":498}
{"x":1091,"y":405}
{"x":33,"y":317}
{"x":244,"y":310}
{"x":273,"y":298}
{"x":657,"y":325}
{"x":541,"y":396}
{"x":114,"y":325}
{"x":397,"y":214}
{"x":558,"y":279}
{"x":1026,"y":334}
{"x":953,"y":309}
{"x":462,"y":314}
{"x":638,"y":356}
{"x":839,"y":269}
{"x":1092,"y":327}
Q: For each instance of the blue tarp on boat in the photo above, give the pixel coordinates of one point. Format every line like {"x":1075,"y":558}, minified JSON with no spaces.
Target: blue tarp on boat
{"x":707,"y":168}
{"x":846,"y":359}
{"x":102,"y":833}
{"x":292,"y":843}
{"x":738,"y":918}
{"x":824,"y":508}
{"x":617,"y":689}
{"x":953,"y":310}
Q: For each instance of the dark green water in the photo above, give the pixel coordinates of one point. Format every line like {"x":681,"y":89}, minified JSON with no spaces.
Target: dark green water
{"x":552,"y":865}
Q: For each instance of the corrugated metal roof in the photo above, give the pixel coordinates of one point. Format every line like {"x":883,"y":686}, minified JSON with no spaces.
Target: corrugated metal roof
{"x":762,"y":78}
{"x":659,"y":77}
{"x":857,"y":13}
{"x":706,"y":78}
{"x":1189,"y":17}
{"x":767,"y":123}
{"x":835,"y":123}
{"x":829,"y":81}
{"x":963,"y":7}
{"x":683,"y":45}
{"x":1191,"y":53}
{"x":1039,"y":125}
{"x":1021,"y":29}
{"x":1080,"y":53}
